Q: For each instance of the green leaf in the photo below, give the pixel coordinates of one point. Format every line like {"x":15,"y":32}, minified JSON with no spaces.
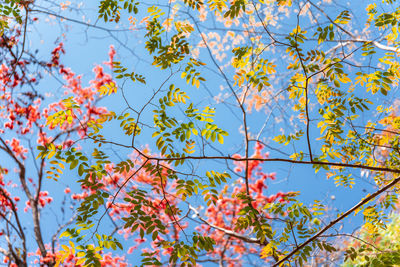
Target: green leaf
{"x":73,"y":164}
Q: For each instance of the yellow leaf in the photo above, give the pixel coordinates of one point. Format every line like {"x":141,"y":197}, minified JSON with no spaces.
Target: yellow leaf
{"x":267,"y":251}
{"x":98,"y":255}
{"x":51,"y":154}
{"x":81,"y":261}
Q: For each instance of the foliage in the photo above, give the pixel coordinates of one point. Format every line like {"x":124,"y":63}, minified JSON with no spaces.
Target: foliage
{"x":379,"y":249}
{"x":198,"y":191}
{"x":9,"y":9}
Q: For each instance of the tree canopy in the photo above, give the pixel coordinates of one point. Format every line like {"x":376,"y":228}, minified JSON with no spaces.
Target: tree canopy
{"x":214,"y":133}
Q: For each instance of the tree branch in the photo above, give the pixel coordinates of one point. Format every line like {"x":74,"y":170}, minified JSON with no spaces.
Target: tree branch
{"x":340,"y":218}
{"x":226,"y":231}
